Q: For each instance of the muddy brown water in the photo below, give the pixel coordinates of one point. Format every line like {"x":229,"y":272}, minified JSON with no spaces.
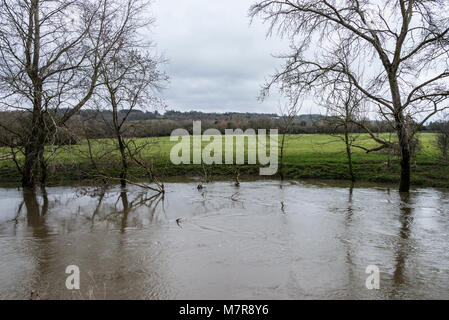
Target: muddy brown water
{"x":264,"y":240}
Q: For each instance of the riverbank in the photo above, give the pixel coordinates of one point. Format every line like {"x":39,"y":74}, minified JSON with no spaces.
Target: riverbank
{"x":306,"y":157}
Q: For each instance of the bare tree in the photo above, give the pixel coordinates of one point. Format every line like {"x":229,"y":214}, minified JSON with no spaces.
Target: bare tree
{"x":344,"y":108}
{"x":442,"y":140}
{"x":50,"y":58}
{"x":288,"y":113}
{"x":394,"y":52}
{"x":129,"y":76}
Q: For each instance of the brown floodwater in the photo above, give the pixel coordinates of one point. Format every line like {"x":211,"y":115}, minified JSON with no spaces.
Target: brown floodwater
{"x":264,"y":240}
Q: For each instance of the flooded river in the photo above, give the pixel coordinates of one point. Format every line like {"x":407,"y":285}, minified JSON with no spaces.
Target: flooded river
{"x":264,"y":240}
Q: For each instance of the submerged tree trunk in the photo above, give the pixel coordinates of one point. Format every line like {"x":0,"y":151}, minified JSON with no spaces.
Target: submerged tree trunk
{"x":349,"y":154}
{"x":34,"y":218}
{"x":43,"y":168}
{"x":281,"y":162}
{"x":121,"y":142}
{"x":42,"y":139}
{"x":401,"y":128}
{"x":35,"y":169}
{"x":33,"y":149}
{"x":124,"y":170}
{"x":30,"y":167}
{"x":403,"y":136}
{"x":405,"y":162}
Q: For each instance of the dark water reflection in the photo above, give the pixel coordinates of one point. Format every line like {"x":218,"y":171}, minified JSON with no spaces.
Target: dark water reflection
{"x":264,"y":240}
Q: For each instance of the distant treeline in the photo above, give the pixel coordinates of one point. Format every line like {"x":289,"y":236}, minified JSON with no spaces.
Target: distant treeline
{"x":98,"y":124}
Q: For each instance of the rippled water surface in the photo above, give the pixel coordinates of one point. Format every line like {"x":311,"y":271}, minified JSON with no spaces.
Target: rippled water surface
{"x":264,"y":240}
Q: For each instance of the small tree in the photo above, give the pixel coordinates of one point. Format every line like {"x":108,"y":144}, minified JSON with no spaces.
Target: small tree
{"x":288,"y":113}
{"x":442,"y":140}
{"x":129,"y":76}
{"x":401,"y":45}
{"x":343,"y":106}
{"x":50,"y":58}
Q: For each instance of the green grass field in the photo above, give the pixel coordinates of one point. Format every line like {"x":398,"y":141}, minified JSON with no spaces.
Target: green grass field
{"x":306,"y":156}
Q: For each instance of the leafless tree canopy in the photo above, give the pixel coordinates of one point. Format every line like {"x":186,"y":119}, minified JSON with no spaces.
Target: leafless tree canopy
{"x":395,"y":52}
{"x":51,"y":53}
{"x":129,"y":76}
{"x":442,"y":140}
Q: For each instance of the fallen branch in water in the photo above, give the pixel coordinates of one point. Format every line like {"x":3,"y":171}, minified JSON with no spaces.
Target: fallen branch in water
{"x":159,"y":189}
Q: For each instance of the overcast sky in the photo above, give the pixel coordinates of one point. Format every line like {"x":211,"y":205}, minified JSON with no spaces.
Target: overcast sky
{"x":217,"y":61}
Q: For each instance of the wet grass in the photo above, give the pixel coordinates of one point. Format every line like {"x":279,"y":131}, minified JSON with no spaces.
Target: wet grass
{"x":306,"y":156}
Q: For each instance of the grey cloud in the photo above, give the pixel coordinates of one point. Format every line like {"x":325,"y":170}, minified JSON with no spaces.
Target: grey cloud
{"x":217,"y":61}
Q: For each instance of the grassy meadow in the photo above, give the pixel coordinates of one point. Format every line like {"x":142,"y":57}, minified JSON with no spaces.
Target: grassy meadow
{"x":305,"y":156}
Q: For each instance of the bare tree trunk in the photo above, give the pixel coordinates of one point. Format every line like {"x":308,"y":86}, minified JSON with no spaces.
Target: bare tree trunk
{"x":35,"y":166}
{"x":30,"y":166}
{"x":43,"y":167}
{"x":91,"y":155}
{"x":124,"y":170}
{"x":281,"y":164}
{"x":405,"y":161}
{"x":403,"y":135}
{"x":349,"y":153}
{"x":121,"y":142}
{"x":34,"y":146}
{"x":288,"y":115}
{"x":33,"y":149}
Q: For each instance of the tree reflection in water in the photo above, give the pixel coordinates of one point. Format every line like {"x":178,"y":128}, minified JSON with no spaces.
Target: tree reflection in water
{"x":126,"y":204}
{"x":406,"y":219}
